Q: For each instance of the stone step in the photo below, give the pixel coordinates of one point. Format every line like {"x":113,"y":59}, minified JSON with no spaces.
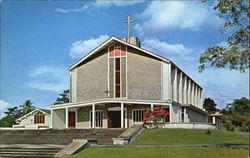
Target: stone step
{"x":53,"y":136}
{"x":28,"y":152}
{"x":24,"y":156}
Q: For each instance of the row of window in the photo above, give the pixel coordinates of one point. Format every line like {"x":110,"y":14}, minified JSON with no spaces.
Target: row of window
{"x":137,"y":116}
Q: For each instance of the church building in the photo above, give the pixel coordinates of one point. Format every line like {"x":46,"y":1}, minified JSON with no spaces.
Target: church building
{"x":112,"y":85}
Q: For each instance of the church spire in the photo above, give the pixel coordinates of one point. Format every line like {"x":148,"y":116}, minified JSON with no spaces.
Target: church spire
{"x":129,"y":21}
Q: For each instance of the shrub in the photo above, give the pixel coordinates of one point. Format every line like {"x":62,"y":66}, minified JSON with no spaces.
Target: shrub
{"x":208,"y":132}
{"x":228,"y":126}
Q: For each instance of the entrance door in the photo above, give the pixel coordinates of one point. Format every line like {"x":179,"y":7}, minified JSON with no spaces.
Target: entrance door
{"x":114,"y":119}
{"x":72,"y":119}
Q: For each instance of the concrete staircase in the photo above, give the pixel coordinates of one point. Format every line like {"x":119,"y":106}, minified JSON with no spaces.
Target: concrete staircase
{"x":46,"y":143}
{"x":57,"y":136}
{"x":29,"y":150}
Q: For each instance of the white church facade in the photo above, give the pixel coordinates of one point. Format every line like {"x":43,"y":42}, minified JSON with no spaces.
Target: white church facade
{"x":112,"y":85}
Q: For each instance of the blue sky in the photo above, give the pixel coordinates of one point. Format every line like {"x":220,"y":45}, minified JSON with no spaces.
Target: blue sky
{"x":41,"y":39}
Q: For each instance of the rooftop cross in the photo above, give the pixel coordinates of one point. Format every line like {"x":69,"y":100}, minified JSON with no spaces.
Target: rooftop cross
{"x":129,"y":21}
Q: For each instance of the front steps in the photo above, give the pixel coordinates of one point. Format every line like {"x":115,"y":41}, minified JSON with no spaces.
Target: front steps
{"x":46,"y":143}
{"x":25,"y":150}
{"x":58,"y":136}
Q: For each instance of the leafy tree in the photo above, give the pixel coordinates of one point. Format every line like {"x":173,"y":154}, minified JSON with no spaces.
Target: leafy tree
{"x":235,"y":54}
{"x":27,"y":107}
{"x":154,"y":116}
{"x":240,"y":106}
{"x":64,"y":97}
{"x":238,"y":113}
{"x":209,"y":105}
{"x":10,"y":119}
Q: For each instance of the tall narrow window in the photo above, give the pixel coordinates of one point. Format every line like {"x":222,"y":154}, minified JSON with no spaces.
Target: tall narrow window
{"x":117,"y":77}
{"x":98,"y":118}
{"x":117,"y":70}
{"x":138,"y":115}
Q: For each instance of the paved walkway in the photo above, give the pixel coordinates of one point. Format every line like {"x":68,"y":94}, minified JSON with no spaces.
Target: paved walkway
{"x":243,"y":133}
{"x":187,"y":145}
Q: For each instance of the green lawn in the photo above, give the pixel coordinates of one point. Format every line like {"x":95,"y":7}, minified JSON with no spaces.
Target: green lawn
{"x":174,"y":136}
{"x":188,"y":136}
{"x":163,"y":152}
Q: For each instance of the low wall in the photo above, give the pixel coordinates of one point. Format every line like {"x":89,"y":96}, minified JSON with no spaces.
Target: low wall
{"x":188,"y":125}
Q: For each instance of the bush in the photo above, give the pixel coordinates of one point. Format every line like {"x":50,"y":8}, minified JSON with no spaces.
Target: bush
{"x":228,"y":126}
{"x":208,"y":132}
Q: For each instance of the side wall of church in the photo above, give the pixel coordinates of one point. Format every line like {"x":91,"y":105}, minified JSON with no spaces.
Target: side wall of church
{"x":143,"y":76}
{"x":175,"y":113}
{"x":92,"y":78}
{"x":193,"y":116}
{"x":59,"y":118}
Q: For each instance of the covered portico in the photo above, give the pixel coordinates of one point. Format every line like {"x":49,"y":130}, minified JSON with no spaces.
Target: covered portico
{"x":108,"y":113}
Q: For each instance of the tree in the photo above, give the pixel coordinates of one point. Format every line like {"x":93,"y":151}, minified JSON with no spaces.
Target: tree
{"x":64,"y":97}
{"x":27,"y":107}
{"x":209,"y":105}
{"x":236,"y":53}
{"x":155,"y":115}
{"x":10,"y":119}
{"x":238,"y":113}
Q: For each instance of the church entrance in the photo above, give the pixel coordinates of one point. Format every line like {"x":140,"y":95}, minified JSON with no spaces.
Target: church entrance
{"x":114,"y":119}
{"x":72,"y":119}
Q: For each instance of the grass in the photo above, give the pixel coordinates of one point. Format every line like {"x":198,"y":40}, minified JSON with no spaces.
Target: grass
{"x":174,"y":136}
{"x":188,"y":136}
{"x":161,"y":152}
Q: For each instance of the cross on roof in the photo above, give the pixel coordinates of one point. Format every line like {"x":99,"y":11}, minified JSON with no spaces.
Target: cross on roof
{"x":129,"y":21}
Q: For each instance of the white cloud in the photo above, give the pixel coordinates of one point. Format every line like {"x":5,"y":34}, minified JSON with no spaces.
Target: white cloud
{"x":83,"y":8}
{"x":100,"y":4}
{"x":3,"y":106}
{"x":82,"y":47}
{"x":118,"y":3}
{"x":175,"y":14}
{"x":49,"y":78}
{"x":164,"y":47}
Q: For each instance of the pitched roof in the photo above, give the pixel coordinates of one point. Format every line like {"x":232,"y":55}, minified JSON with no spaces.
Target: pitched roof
{"x":45,"y":111}
{"x":114,"y":39}
{"x":111,"y":41}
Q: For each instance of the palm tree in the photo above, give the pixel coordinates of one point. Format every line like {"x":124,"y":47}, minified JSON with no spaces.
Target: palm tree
{"x":27,"y":107}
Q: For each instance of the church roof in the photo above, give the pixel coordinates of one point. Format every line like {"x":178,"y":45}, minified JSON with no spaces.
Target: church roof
{"x":111,"y":41}
{"x":114,"y":39}
{"x":44,"y":111}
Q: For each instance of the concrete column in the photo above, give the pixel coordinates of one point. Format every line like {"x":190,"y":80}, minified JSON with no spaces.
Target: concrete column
{"x":126,"y":118}
{"x":195,"y":91}
{"x":67,"y":117}
{"x":122,"y":115}
{"x":152,"y":107}
{"x":180,"y":89}
{"x":93,"y":115}
{"x":185,"y":90}
{"x":192,"y":96}
{"x":189,"y":91}
{"x":175,"y":85}
{"x":169,"y":82}
{"x":185,"y":114}
{"x":199,"y":94}
{"x":52,"y":113}
{"x":201,"y":99}
{"x":214,"y":122}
